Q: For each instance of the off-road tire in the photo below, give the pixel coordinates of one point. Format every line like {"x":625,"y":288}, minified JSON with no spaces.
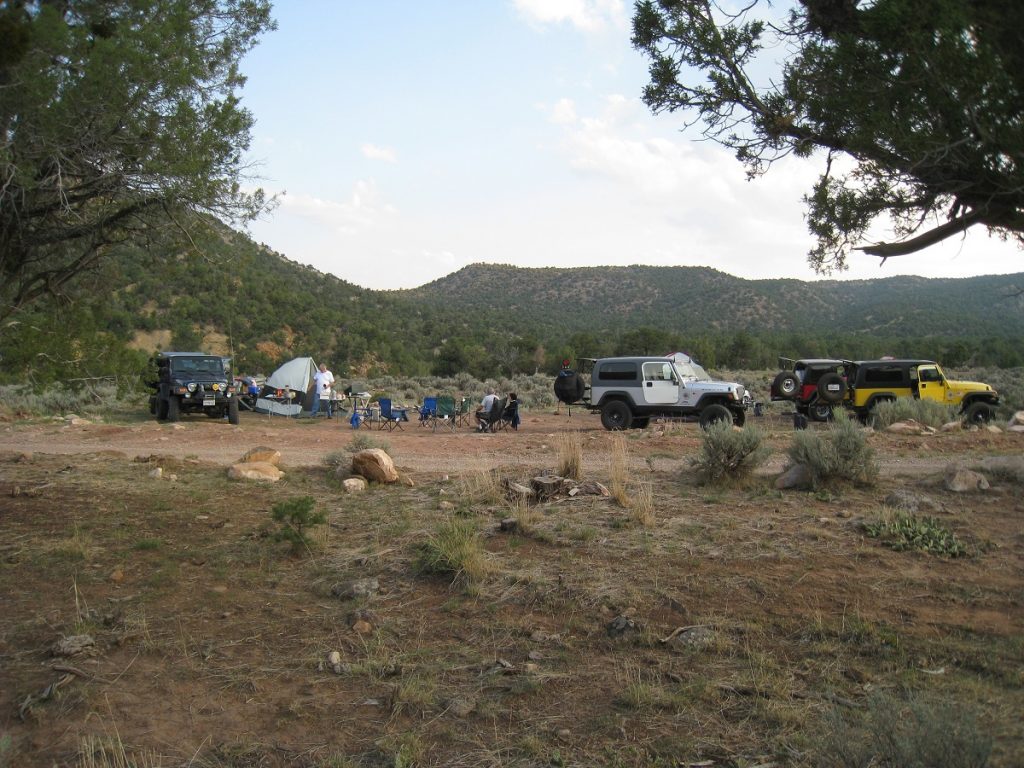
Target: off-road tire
{"x":979,"y":413}
{"x":161,"y":409}
{"x":173,"y":408}
{"x":786,"y":385}
{"x":739,"y":417}
{"x":832,"y":387}
{"x":714,"y":413}
{"x":615,"y":415}
{"x":233,"y":411}
{"x":820,"y":412}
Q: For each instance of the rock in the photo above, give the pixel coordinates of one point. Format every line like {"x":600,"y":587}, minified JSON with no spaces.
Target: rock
{"x":258,"y":471}
{"x":262,"y":454}
{"x":447,"y":506}
{"x":909,"y":427}
{"x":508,"y":525}
{"x":952,"y":426}
{"x":1017,"y":420}
{"x":461,"y":706}
{"x":686,"y":638}
{"x":797,"y":476}
{"x":117,"y":576}
{"x":407,"y":481}
{"x":157,"y":473}
{"x":592,"y":488}
{"x":908,"y":501}
{"x":519,"y":492}
{"x":374,"y":464}
{"x":74,"y":645}
{"x":356,"y":589}
{"x":994,"y":429}
{"x":962,"y":480}
{"x":354,"y":484}
{"x":73,"y":420}
{"x":334,"y":662}
{"x":1018,"y":428}
{"x":623,"y":626}
{"x":362,"y":621}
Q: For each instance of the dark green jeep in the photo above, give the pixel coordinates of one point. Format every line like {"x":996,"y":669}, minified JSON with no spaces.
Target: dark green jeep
{"x":193,"y":382}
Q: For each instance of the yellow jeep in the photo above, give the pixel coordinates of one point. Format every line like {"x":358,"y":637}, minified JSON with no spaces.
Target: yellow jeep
{"x":871,"y":382}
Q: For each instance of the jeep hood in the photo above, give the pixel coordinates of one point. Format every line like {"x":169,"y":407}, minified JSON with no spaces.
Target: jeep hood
{"x":969,"y":386}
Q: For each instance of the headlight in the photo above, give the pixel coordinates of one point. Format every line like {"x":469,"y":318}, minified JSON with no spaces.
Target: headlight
{"x":216,"y":387}
{"x":191,"y":386}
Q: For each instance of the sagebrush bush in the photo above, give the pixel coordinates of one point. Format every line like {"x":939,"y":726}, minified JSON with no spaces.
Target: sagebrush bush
{"x":729,"y":453}
{"x":839,"y":453}
{"x":928,"y":412}
{"x":917,"y":733}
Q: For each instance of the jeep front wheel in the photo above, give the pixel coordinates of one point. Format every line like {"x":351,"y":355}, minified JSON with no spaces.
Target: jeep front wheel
{"x":713,"y":414}
{"x":616,"y":415}
{"x":979,"y":413}
{"x":173,"y":408}
{"x":161,"y":409}
{"x":233,"y":411}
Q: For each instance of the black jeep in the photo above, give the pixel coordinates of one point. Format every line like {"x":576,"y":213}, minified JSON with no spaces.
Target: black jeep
{"x":814,"y":385}
{"x":193,"y":382}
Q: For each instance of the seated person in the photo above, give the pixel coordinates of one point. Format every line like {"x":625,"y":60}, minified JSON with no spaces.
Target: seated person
{"x":483,"y":413}
{"x":511,"y":412}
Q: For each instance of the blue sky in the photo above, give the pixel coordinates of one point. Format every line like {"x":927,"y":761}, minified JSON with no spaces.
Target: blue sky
{"x":408,"y":139}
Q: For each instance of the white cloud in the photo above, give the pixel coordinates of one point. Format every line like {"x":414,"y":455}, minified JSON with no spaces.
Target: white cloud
{"x":362,"y":210}
{"x":562,"y":113}
{"x":373,"y":152}
{"x":587,"y":15}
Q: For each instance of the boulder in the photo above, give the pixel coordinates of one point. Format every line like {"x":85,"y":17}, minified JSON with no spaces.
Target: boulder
{"x":374,"y":464}
{"x":354,"y":484}
{"x":911,"y":502}
{"x":1005,"y":466}
{"x":797,"y":476}
{"x":262,"y":454}
{"x":910,"y":427}
{"x":1017,"y":420}
{"x":962,"y":480}
{"x":259,"y":471}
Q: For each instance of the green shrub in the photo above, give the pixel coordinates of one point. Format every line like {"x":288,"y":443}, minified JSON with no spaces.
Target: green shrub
{"x":842,"y":453}
{"x":729,"y":453}
{"x":928,"y":412}
{"x":918,"y":733}
{"x":295,"y":517}
{"x":901,"y":531}
{"x":454,"y":550}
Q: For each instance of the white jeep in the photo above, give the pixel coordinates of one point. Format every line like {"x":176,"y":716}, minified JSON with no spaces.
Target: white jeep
{"x":629,"y":391}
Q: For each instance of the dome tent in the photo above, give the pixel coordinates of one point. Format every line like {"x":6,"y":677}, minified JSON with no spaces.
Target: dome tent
{"x":296,"y":377}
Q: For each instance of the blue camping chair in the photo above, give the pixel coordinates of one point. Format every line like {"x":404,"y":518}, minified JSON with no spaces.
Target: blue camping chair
{"x":390,"y":417}
{"x":427,"y":411}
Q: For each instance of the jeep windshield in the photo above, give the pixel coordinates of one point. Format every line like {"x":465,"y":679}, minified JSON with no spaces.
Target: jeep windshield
{"x":692,"y":371}
{"x":199,"y":366}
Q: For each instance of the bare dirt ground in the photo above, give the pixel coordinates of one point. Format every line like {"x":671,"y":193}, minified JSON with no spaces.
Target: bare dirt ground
{"x":734,"y":626}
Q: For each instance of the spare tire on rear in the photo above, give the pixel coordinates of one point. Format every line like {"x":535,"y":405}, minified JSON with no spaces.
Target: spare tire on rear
{"x":832,"y":387}
{"x":786,"y":385}
{"x":568,"y":386}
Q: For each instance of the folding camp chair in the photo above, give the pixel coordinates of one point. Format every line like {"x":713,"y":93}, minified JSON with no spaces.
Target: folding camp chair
{"x":389,"y":417}
{"x":509,"y":417}
{"x":463,"y":412}
{"x":494,"y":416}
{"x":444,"y":414}
{"x":427,"y":411}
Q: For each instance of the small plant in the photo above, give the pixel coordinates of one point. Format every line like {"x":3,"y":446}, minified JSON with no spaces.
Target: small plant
{"x":902,"y":531}
{"x":296,"y":517}
{"x":728,"y":453}
{"x":454,"y":550}
{"x":843,"y":454}
{"x":361,"y":442}
{"x":931,"y":413}
{"x":570,"y":455}
{"x":618,"y":472}
{"x":643,"y":506}
{"x":893,"y":734}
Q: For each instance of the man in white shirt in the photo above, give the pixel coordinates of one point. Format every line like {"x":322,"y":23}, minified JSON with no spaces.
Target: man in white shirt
{"x":323,"y":381}
{"x":485,"y":409}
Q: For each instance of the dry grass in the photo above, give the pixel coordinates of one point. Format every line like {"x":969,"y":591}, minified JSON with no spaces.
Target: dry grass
{"x":618,"y":472}
{"x":570,"y":455}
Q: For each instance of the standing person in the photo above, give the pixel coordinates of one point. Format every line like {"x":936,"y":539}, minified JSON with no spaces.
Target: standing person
{"x":484,"y":411}
{"x":323,"y":380}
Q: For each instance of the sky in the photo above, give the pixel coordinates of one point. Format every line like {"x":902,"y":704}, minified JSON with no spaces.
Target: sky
{"x":408,"y":139}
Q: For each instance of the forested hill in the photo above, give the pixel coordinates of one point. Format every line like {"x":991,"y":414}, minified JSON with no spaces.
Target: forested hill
{"x":229,"y":295}
{"x":692,"y":300}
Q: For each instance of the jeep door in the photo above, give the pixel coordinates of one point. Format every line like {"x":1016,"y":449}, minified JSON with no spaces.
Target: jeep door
{"x":660,"y":385}
{"x":931,"y":384}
